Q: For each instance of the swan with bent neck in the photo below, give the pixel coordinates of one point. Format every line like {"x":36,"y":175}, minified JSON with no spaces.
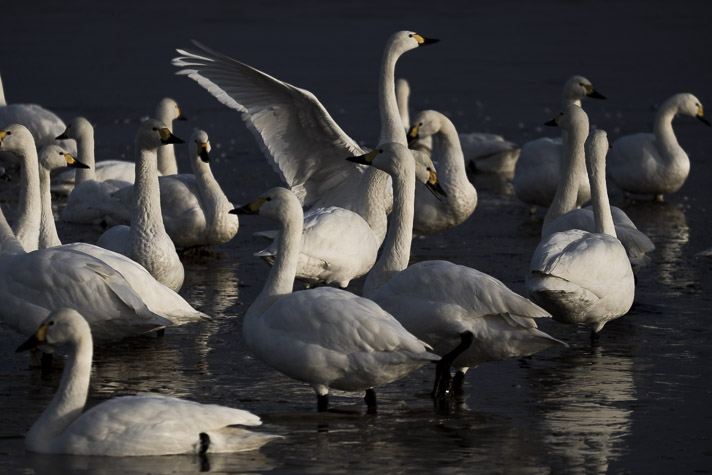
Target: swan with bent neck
{"x":468,"y":317}
{"x":580,"y":276}
{"x":655,"y":163}
{"x":326,"y":337}
{"x":140,"y":425}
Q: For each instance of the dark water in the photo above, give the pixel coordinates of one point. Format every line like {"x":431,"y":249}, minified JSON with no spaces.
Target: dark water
{"x":637,"y":402}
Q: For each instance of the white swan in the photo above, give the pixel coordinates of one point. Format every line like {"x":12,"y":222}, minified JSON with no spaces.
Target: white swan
{"x":146,"y":240}
{"x":468,"y":317}
{"x":52,"y":157}
{"x":436,"y":213}
{"x":44,"y":125}
{"x":562,"y":215}
{"x":167,"y":111}
{"x":583,"y":277}
{"x":654,"y":163}
{"x":537,"y":171}
{"x":483,"y":152}
{"x":90,"y":187}
{"x":131,"y":425}
{"x":326,"y":337}
{"x":195,"y":209}
{"x":298,"y":136}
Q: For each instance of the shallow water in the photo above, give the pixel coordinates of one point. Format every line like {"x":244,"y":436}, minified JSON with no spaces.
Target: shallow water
{"x":638,"y":401}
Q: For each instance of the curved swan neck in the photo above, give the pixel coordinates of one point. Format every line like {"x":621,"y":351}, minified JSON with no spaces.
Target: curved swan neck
{"x":8,"y":242}
{"x":85,"y":154}
{"x":69,"y":400}
{"x":662,"y":127}
{"x":452,"y":164}
{"x":146,"y":219}
{"x":596,"y":165}
{"x":392,"y":129}
{"x":571,"y":166}
{"x":396,"y":248}
{"x":48,"y":228}
{"x":27,"y":226}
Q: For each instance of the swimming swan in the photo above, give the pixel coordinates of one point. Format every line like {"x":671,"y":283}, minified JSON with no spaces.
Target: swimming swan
{"x":468,"y":317}
{"x":537,"y":171}
{"x":167,"y":111}
{"x":150,"y":424}
{"x":583,"y":277}
{"x":326,"y":337}
{"x":654,"y":163}
{"x":146,"y":240}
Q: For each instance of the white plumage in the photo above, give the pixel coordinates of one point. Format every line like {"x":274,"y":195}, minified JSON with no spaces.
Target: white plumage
{"x":131,"y":425}
{"x":654,"y":163}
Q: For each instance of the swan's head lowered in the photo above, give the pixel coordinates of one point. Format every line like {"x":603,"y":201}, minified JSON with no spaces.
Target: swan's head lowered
{"x":60,"y":327}
{"x":393,"y":158}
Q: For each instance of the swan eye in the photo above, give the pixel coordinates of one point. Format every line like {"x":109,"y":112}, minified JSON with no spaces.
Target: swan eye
{"x":268,"y":199}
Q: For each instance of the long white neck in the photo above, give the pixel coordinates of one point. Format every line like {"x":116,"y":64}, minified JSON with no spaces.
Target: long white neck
{"x":167,"y":163}
{"x":664,"y":134}
{"x":27,"y":226}
{"x":85,"y":154}
{"x":3,"y":102}
{"x":8,"y":242}
{"x":451,"y":163}
{"x":69,"y":400}
{"x":280,"y":281}
{"x":602,"y":217}
{"x":392,"y":129}
{"x":213,"y":199}
{"x":146,"y":219}
{"x":372,"y":206}
{"x":570,"y":169}
{"x":48,"y":228}
{"x":396,"y":248}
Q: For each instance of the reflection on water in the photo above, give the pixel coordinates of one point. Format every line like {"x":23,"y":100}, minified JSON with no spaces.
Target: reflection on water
{"x":586,"y":413}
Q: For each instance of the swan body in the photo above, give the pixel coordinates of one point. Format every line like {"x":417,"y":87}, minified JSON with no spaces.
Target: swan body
{"x":654,"y":163}
{"x":89,"y":189}
{"x":146,"y":240}
{"x":167,"y":111}
{"x":438,"y":301}
{"x":583,"y":277}
{"x":298,"y":136}
{"x":194,"y":208}
{"x":537,"y":171}
{"x":326,"y":337}
{"x":130,"y":425}
{"x":435,"y":213}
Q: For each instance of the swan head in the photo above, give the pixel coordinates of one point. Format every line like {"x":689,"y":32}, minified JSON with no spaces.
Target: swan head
{"x":77,"y":128}
{"x":167,"y":111}
{"x":425,"y":124}
{"x":17,"y":139}
{"x":572,"y":118}
{"x":402,"y":41}
{"x":200,"y":145}
{"x":54,"y":156}
{"x":279,"y":204}
{"x":153,"y":133}
{"x":60,"y":327}
{"x":690,"y":105}
{"x":397,"y":160}
{"x":578,"y":87}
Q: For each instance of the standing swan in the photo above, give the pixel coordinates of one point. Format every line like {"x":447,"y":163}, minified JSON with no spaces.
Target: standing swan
{"x":583,"y":277}
{"x":195,"y":209}
{"x":437,"y":213}
{"x":130,"y":425}
{"x":468,"y":317}
{"x":298,"y":136}
{"x":326,"y":337}
{"x":654,"y":163}
{"x":146,"y":240}
{"x":536,"y":175}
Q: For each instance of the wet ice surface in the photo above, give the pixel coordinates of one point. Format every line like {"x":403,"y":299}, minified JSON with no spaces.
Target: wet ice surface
{"x":638,"y":400}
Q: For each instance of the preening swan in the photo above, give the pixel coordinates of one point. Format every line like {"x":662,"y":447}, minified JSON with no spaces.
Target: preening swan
{"x":468,"y":317}
{"x":167,"y":111}
{"x":537,"y":172}
{"x":146,"y":240}
{"x":130,"y":425}
{"x":326,"y":337}
{"x":562,"y":215}
{"x":195,"y":209}
{"x":298,"y":136}
{"x":90,"y":187}
{"x":654,"y":163}
{"x":438,"y":213}
{"x":583,"y":277}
